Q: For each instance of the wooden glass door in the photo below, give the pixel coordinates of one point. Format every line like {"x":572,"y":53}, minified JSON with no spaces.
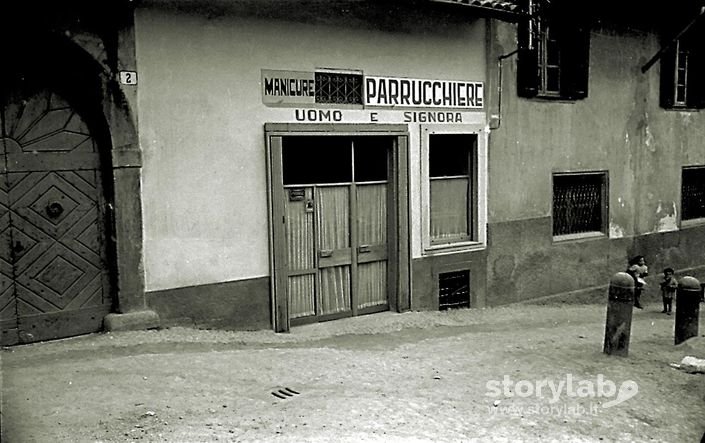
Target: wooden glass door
{"x":336,"y":225}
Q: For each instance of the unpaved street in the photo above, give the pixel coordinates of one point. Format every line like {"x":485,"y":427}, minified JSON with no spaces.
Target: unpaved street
{"x":386,"y":377}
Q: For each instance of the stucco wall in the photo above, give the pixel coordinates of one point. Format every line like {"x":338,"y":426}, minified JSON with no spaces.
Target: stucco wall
{"x":619,"y":128}
{"x":201,"y":119}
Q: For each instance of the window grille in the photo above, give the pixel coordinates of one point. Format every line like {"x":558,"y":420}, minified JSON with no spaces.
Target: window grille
{"x":338,"y":88}
{"x":454,"y":290}
{"x":577,"y":203}
{"x":693,"y":193}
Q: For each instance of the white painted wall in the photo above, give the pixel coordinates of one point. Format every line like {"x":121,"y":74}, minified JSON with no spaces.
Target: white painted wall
{"x":201,"y":123}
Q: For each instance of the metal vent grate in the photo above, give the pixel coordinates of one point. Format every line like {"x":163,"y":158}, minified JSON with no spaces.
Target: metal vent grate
{"x":454,"y":290}
{"x":338,"y":88}
{"x":577,"y":203}
{"x":693,"y":193}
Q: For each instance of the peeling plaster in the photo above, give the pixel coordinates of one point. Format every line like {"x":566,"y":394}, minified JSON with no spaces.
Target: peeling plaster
{"x":668,"y":218}
{"x":648,"y":136}
{"x":616,"y":231}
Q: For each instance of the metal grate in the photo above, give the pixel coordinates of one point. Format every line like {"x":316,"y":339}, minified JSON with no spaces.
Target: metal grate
{"x":338,"y":88}
{"x":577,"y":203}
{"x":693,"y":193}
{"x":454,"y":290}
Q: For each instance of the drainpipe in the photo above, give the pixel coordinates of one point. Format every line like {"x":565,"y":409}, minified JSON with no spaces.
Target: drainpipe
{"x":497,"y":119}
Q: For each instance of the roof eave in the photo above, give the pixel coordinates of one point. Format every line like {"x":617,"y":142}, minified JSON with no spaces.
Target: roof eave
{"x":500,"y":10}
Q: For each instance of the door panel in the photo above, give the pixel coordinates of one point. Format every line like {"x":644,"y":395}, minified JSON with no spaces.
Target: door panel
{"x":372,"y":284}
{"x":372,"y":249}
{"x":300,"y":252}
{"x":52,"y":218}
{"x":334,"y":253}
{"x":301,"y":290}
{"x":8,"y":307}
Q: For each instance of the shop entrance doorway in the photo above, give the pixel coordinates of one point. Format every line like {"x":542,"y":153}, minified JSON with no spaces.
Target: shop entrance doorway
{"x":336,"y":225}
{"x":336,"y":253}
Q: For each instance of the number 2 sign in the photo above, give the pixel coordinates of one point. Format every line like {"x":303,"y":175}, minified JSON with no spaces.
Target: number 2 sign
{"x":128,"y":77}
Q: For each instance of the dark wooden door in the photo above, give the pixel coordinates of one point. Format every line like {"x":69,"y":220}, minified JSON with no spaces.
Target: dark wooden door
{"x":54,"y":279}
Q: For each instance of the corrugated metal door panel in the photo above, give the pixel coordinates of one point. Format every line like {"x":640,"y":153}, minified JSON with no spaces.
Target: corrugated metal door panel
{"x":301,"y":256}
{"x":372,"y":248}
{"x":333,"y":238}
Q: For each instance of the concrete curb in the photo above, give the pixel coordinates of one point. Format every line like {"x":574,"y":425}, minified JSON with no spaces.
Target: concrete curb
{"x":131,"y":321}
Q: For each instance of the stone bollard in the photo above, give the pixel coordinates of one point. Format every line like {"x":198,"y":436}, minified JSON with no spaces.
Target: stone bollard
{"x":687,"y":309}
{"x":619,"y":314}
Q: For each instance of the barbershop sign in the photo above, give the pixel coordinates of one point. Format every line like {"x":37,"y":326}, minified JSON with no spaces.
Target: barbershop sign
{"x":281,"y":88}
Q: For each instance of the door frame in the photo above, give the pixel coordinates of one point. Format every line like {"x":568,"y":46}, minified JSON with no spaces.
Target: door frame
{"x":399,"y":258}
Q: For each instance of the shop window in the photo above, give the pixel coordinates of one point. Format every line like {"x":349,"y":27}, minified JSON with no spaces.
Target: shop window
{"x":579,"y":203}
{"x":451,"y":163}
{"x":682,"y":70}
{"x":693,"y":193}
{"x":554,"y":54}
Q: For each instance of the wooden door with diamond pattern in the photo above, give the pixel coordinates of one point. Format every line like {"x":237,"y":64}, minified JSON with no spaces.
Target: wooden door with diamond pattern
{"x":54,"y":279}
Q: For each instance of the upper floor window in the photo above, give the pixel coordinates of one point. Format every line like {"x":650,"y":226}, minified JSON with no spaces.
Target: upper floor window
{"x":554,"y":54}
{"x":682,"y":70}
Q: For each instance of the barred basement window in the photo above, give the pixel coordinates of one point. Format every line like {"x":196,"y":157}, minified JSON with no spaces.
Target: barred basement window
{"x":454,"y":290}
{"x":338,"y":88}
{"x":579,"y":203}
{"x":693,"y":193}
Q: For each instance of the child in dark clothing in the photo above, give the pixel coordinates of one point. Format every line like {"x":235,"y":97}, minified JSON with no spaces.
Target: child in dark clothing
{"x":669,"y":284}
{"x":638,"y":270}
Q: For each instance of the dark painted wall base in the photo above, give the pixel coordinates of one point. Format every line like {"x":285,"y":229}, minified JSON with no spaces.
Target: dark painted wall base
{"x":523,"y":263}
{"x":240,"y":305}
{"x":425,"y":271}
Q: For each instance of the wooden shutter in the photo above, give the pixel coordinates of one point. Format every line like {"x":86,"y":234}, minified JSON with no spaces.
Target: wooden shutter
{"x":696,"y":69}
{"x":667,"y":74}
{"x":574,"y":40}
{"x":527,"y":61}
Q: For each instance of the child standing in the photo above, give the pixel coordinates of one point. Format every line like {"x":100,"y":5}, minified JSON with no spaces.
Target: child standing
{"x":669,"y":284}
{"x":638,"y":270}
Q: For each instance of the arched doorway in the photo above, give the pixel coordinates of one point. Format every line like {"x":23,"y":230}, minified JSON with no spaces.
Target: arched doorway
{"x":55,"y":278}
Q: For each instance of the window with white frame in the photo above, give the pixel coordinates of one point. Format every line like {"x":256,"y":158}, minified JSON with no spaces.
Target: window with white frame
{"x":454,"y":188}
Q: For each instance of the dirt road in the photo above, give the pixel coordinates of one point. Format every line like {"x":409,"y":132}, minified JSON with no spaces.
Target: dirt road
{"x":468,"y":375}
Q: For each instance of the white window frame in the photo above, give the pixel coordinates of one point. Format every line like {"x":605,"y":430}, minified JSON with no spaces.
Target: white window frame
{"x":480,"y":197}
